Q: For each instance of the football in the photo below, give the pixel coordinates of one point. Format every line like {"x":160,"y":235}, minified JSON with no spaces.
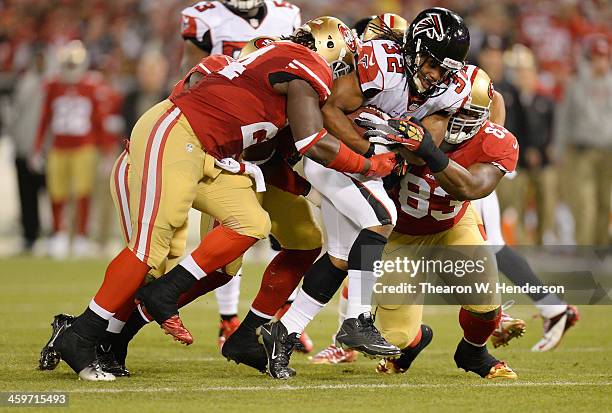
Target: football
{"x":368,"y":109}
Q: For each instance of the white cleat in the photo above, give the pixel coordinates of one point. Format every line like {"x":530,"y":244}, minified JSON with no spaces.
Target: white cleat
{"x":93,"y":372}
{"x":58,"y":246}
{"x":555,"y":328}
{"x":82,"y":247}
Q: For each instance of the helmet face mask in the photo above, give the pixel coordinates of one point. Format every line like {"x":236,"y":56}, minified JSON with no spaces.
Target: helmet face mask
{"x":442,"y":35}
{"x":244,"y":5}
{"x":468,"y":120}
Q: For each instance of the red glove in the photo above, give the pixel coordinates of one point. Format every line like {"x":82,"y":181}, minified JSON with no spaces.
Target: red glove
{"x":381,"y":165}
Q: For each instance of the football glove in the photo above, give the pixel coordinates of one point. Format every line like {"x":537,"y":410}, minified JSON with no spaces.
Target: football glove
{"x":381,"y":165}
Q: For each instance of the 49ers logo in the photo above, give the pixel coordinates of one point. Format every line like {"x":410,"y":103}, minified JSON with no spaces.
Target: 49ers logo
{"x":263,"y":42}
{"x":431,"y":26}
{"x":348,"y":38}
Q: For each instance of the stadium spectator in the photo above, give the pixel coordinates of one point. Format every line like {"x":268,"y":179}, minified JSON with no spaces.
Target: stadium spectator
{"x":537,"y":177}
{"x":584,"y":132}
{"x":21,"y":128}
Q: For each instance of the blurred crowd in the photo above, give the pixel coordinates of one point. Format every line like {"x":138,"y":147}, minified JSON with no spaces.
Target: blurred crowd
{"x":550,"y":59}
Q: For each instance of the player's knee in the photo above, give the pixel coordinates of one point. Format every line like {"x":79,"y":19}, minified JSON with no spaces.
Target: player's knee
{"x":485,"y":312}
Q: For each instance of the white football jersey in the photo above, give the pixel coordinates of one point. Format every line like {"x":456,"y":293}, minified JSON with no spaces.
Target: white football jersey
{"x":230,"y":32}
{"x":380,"y":70}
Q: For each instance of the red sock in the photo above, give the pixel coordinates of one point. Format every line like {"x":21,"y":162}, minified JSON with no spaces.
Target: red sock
{"x":417,"y":339}
{"x":476,"y":328}
{"x":57,"y":210}
{"x":126,"y":310}
{"x":123,"y":276}
{"x":205,"y":285}
{"x":281,"y":277}
{"x":345,"y":292}
{"x":82,"y":214}
{"x":220,"y":247}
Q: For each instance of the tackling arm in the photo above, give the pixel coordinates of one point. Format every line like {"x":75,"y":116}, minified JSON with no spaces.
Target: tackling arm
{"x":476,"y":182}
{"x":306,"y":121}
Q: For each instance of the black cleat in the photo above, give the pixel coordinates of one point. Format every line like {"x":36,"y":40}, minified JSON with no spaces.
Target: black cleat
{"x":409,"y":354}
{"x":477,"y":359}
{"x":49,"y":356}
{"x":242,"y":347}
{"x":80,"y":354}
{"x":279,"y":345}
{"x":109,"y":362}
{"x":360,"y":334}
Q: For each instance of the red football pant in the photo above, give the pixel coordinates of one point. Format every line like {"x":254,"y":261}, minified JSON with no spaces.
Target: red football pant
{"x":281,"y":277}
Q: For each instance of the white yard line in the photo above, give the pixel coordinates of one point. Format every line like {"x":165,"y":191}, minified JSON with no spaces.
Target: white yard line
{"x":337,"y":387}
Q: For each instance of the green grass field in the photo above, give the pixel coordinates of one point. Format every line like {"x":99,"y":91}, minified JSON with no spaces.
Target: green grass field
{"x":576,"y":377}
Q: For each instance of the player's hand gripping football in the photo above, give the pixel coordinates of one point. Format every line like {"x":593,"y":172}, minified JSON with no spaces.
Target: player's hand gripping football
{"x":410,"y":133}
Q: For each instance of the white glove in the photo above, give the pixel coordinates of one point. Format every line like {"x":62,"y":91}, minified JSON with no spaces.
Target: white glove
{"x":247,"y":168}
{"x":377,"y":128}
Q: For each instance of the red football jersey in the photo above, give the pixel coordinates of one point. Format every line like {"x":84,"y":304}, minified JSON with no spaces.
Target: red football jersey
{"x":70,"y":113}
{"x":206,"y":66}
{"x":236,"y":107}
{"x":425,"y":208}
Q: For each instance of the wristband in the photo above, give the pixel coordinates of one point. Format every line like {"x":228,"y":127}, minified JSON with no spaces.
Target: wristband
{"x":436,"y":160}
{"x":347,"y":161}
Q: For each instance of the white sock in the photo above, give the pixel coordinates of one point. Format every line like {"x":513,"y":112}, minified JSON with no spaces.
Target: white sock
{"x":194,"y":269}
{"x":342,"y":305}
{"x":228,"y":296}
{"x":115,"y":325}
{"x":360,"y":285}
{"x":293,"y":295}
{"x":93,"y":306}
{"x":142,"y":314}
{"x":550,"y":306}
{"x":301,"y":312}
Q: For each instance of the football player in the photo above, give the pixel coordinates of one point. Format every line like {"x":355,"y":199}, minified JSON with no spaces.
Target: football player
{"x":188,"y":140}
{"x":72,"y":119}
{"x":224,"y":27}
{"x":358,"y":212}
{"x":368,"y":28}
{"x":434,"y":210}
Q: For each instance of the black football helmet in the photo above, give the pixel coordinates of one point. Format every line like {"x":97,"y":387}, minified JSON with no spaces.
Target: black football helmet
{"x":438,"y":33}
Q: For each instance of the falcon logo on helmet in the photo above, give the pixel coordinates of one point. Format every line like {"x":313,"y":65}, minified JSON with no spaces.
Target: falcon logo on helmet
{"x":431,"y":25}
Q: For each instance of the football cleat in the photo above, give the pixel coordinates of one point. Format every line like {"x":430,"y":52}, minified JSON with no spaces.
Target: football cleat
{"x":226,"y":329}
{"x":555,"y":328}
{"x":243,"y":347}
{"x":360,"y":334}
{"x":77,"y":351}
{"x":305,"y":345}
{"x":334,"y":355}
{"x":508,"y":329}
{"x":94,"y":372}
{"x":477,"y":359}
{"x":174,"y":327}
{"x":501,"y":371}
{"x":109,"y":363}
{"x":401,"y":364}
{"x":279,"y":345}
{"x":49,"y":356}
